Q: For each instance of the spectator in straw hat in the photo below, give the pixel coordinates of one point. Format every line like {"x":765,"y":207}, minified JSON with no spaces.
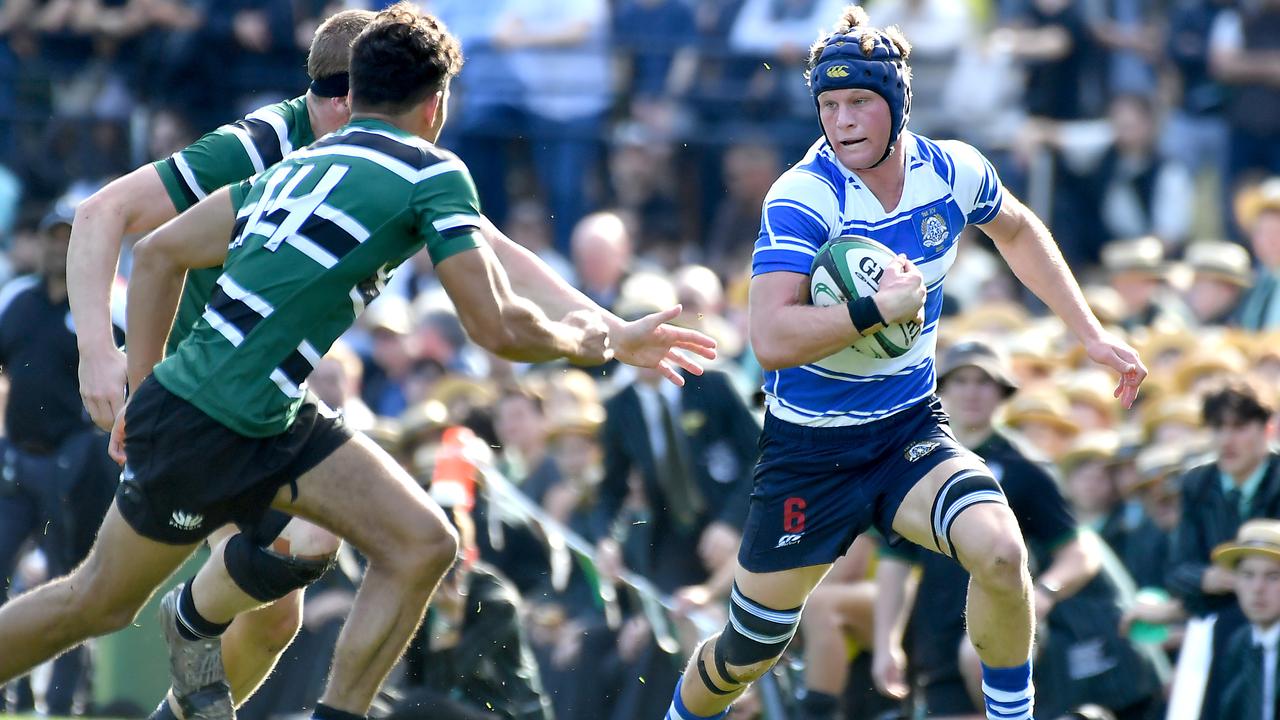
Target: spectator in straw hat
{"x":1258,"y":212}
{"x":1136,"y":269}
{"x":1252,"y":661}
{"x":1088,"y":472}
{"x":1043,"y":417}
{"x":1222,"y":273}
{"x":1242,"y":483}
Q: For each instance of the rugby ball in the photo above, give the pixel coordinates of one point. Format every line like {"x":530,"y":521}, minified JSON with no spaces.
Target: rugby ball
{"x":850,"y":267}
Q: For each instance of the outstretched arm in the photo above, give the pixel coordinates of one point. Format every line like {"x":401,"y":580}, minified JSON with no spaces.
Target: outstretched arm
{"x":1034,"y":257}
{"x":511,"y":326}
{"x":649,"y":342}
{"x":131,"y":204}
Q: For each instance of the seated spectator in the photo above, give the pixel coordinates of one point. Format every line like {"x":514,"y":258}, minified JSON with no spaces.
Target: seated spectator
{"x":1241,"y":483}
{"x":1138,"y":192}
{"x":749,"y":169}
{"x":530,"y":226}
{"x":336,"y":381}
{"x":1043,"y":417}
{"x":1137,"y":270}
{"x":1258,"y":212}
{"x":1089,"y":483}
{"x":601,"y":251}
{"x":1253,"y":691}
{"x":1222,"y":274}
{"x":1242,"y":57}
{"x":391,"y":359}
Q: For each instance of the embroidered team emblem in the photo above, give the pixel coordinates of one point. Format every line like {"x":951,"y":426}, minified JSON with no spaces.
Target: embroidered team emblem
{"x":917,"y":450}
{"x":933,"y":229}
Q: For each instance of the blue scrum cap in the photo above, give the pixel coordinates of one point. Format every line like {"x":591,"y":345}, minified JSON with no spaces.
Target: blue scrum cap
{"x":842,"y":65}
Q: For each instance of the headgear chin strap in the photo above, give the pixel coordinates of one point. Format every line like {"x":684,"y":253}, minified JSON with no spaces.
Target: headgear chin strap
{"x":842,"y":66}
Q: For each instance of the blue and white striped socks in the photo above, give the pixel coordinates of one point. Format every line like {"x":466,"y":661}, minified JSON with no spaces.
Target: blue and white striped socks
{"x":678,"y":711}
{"x":1008,"y":692}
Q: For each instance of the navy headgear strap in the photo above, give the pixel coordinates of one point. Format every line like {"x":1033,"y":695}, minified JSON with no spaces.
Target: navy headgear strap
{"x":842,"y":66}
{"x":335,"y":85}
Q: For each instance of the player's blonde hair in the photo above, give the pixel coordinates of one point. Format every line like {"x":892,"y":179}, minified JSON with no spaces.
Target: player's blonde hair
{"x":855,"y":18}
{"x":330,"y":51}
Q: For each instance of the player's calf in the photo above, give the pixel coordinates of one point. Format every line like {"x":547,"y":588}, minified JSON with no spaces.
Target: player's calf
{"x":744,"y":651}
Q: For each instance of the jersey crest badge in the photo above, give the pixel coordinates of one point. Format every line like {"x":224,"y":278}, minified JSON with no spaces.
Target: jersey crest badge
{"x":933,"y":228}
{"x":917,"y":450}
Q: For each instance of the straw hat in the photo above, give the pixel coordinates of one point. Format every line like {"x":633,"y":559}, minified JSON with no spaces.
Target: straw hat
{"x":1205,"y":361}
{"x":1222,"y":260}
{"x":1092,"y":387}
{"x":1155,"y":463}
{"x":1100,"y":445}
{"x":1043,"y":405}
{"x":1139,"y":256}
{"x":1255,"y":200}
{"x":1256,"y":537}
{"x":453,"y":388}
{"x":1182,"y":409}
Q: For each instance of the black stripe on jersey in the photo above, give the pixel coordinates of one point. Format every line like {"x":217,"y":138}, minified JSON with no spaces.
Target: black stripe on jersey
{"x":296,"y":368}
{"x":236,"y":312}
{"x":239,"y":226}
{"x":264,"y":139}
{"x":459,"y":231}
{"x":328,"y":235}
{"x":187,"y":193}
{"x":415,"y":157}
{"x":368,"y":289}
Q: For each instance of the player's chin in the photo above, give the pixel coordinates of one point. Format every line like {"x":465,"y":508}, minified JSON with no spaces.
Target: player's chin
{"x":857,"y":156}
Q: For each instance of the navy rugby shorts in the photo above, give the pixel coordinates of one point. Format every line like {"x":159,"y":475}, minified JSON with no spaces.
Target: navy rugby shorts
{"x":816,"y":489}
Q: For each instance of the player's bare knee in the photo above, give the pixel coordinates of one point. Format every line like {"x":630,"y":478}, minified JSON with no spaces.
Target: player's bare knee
{"x":1001,"y":567}
{"x":425,"y":554}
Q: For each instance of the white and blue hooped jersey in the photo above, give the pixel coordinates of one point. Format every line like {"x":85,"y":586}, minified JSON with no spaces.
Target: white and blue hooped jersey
{"x":948,"y":185}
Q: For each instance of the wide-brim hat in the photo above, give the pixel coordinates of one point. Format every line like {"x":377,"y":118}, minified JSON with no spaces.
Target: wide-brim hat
{"x":1098,"y":445}
{"x":1255,"y":200}
{"x":1156,"y":464}
{"x":1143,"y":256}
{"x":1256,"y":537}
{"x":1220,"y":259}
{"x":1044,"y":405}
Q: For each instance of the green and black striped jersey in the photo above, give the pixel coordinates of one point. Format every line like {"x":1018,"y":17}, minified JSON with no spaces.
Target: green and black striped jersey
{"x":229,"y":154}
{"x":316,"y":239}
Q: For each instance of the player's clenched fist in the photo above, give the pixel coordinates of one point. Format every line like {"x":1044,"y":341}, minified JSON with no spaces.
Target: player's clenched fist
{"x":901,"y":295}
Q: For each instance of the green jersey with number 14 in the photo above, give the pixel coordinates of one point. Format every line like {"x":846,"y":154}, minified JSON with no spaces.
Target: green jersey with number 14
{"x":316,"y":238}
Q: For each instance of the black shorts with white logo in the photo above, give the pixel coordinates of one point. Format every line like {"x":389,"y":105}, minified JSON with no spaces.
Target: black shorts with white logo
{"x":187,"y":474}
{"x":816,"y":488}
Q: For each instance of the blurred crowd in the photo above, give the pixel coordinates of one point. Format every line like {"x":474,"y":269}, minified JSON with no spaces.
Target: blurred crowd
{"x":630,"y":143}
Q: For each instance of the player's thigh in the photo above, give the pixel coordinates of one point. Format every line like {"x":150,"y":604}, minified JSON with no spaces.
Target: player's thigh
{"x":361,"y":494}
{"x":914,"y":518}
{"x":783,"y":589}
{"x":124,"y":568}
{"x":305,"y":539}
